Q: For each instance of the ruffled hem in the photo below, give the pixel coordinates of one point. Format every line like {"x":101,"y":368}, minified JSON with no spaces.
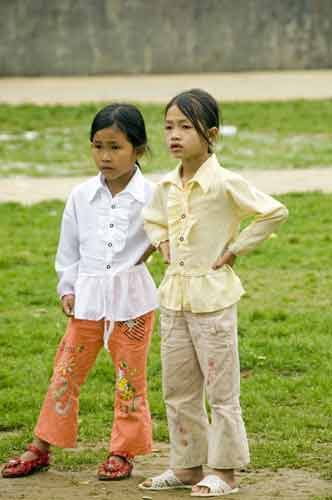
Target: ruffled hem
{"x":201,"y":292}
{"x":117,"y":297}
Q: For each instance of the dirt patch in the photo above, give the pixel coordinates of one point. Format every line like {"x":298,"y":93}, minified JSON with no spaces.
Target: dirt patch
{"x":30,"y":190}
{"x":284,"y":484}
{"x":242,"y":86}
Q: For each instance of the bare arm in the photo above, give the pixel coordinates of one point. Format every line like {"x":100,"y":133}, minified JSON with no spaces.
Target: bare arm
{"x":226,"y":258}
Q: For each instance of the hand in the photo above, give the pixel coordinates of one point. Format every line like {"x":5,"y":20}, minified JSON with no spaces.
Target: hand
{"x":165,"y":251}
{"x":146,"y":255}
{"x":227,"y":258}
{"x":68,"y":302}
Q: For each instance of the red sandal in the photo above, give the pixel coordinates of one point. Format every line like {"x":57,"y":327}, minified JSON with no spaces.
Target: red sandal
{"x":20,"y":468}
{"x":112,"y":470}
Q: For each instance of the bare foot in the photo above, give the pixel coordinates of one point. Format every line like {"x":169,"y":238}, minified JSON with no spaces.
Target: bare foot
{"x":226,"y":475}
{"x":38,"y":443}
{"x":189,"y":476}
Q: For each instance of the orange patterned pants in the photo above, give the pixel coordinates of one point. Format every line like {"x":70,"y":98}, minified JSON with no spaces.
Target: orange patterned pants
{"x":77,"y":352}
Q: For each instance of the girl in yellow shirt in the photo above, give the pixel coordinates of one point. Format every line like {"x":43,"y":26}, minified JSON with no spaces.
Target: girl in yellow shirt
{"x":194,"y":221}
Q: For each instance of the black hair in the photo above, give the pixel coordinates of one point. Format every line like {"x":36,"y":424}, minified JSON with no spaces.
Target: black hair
{"x":126,"y":118}
{"x":201,"y":109}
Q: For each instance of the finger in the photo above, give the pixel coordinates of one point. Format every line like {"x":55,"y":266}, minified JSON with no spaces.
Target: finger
{"x":68,"y":308}
{"x":165,"y":255}
{"x":168,"y":257}
{"x":219,"y":263}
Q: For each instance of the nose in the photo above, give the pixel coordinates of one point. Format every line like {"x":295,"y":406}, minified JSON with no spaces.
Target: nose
{"x":105,"y":154}
{"x":175,"y":135}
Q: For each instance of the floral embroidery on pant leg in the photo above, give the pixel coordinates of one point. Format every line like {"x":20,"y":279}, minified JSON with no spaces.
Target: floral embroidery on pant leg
{"x":125,"y":390}
{"x":212,"y":372}
{"x":181,"y":433}
{"x":64,"y":382}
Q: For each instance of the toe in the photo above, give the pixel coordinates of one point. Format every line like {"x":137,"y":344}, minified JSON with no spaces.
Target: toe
{"x":200,"y":489}
{"x":147,"y":483}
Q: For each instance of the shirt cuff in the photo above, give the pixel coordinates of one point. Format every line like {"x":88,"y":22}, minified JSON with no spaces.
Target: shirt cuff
{"x":65,"y":290}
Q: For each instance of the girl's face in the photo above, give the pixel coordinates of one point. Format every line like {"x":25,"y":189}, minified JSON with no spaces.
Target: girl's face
{"x":182,"y":139}
{"x":113,"y":154}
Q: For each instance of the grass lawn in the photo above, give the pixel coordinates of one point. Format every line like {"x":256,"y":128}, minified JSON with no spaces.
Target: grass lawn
{"x":54,"y":140}
{"x":285,"y":340}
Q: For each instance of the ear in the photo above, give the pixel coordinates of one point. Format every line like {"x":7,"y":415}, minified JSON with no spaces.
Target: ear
{"x":213,"y":133}
{"x":140,"y":151}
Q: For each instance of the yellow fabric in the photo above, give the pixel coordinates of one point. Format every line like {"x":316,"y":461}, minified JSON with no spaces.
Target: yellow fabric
{"x":201,"y":221}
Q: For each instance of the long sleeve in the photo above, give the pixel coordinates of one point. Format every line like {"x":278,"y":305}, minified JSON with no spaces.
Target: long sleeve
{"x":249,"y":201}
{"x":68,"y":256}
{"x":155,"y":217}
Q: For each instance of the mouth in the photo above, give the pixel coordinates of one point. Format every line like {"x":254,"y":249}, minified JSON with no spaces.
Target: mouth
{"x":175,"y":148}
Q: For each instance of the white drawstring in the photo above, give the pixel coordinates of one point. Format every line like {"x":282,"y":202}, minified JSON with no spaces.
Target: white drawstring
{"x":108,"y":329}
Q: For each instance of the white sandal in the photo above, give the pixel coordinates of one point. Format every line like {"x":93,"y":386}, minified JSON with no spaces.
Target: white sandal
{"x":216,"y":485}
{"x":165,"y":481}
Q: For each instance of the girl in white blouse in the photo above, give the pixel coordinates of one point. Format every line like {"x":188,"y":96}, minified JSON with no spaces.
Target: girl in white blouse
{"x":108,"y":295}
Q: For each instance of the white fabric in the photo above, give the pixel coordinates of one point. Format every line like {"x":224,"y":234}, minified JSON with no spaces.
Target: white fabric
{"x":102,"y":237}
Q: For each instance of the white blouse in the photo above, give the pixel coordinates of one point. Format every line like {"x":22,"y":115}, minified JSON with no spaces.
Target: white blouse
{"x":102,"y":237}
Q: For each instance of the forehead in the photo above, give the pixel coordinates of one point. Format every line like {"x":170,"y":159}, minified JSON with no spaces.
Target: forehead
{"x":110,"y":134}
{"x":174,"y":113}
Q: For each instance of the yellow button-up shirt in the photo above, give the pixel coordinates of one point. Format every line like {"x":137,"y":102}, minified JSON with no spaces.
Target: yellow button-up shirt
{"x":201,"y":220}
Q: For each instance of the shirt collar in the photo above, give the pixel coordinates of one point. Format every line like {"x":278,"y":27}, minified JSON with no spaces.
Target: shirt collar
{"x":135,"y":186}
{"x":204,"y":175}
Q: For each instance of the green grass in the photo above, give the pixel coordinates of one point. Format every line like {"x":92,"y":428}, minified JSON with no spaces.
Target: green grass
{"x":285,"y":340}
{"x":269,"y":135}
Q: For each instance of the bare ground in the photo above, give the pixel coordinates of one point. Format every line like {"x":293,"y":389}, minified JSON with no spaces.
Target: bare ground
{"x":33,"y":189}
{"x":243,"y":86}
{"x":284,"y":484}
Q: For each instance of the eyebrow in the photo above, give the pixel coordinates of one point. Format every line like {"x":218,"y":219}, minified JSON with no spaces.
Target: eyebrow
{"x":182,"y":120}
{"x":112,"y":141}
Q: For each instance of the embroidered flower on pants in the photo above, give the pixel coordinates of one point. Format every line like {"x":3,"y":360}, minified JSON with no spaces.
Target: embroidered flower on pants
{"x":125,"y":389}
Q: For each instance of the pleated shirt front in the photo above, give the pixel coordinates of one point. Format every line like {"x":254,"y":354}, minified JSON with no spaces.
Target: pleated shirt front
{"x":102,"y":237}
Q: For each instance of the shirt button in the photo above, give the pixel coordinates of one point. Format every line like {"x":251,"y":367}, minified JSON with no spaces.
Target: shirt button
{"x":108,"y":266}
{"x":113,"y":206}
{"x":181,"y":263}
{"x":111,"y":225}
{"x":183,"y":216}
{"x":109,"y":244}
{"x":181,"y":238}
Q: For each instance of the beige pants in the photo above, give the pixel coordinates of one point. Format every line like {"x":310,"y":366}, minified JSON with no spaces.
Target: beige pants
{"x":200,"y":357}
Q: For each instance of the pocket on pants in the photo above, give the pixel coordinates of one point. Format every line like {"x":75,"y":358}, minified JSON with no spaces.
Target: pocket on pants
{"x":218,"y":330}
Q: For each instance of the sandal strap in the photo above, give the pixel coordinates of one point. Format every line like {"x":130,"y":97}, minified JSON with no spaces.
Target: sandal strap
{"x":17,"y":467}
{"x":43,"y":455}
{"x":112,"y":469}
{"x":115,"y":465}
{"x":122,"y":454}
{"x":215,"y":484}
{"x":166,"y":479}
{"x":13,"y":461}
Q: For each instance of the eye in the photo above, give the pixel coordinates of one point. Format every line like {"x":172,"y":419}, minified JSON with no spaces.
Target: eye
{"x":115,"y":146}
{"x":168,"y":127}
{"x":97,"y":146}
{"x":187,"y":126}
